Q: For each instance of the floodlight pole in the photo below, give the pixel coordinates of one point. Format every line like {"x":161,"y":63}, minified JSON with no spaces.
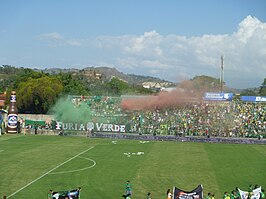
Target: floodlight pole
{"x":222,"y":74}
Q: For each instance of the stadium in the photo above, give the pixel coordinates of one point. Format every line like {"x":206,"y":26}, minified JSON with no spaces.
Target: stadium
{"x":98,"y":143}
{"x":128,"y":99}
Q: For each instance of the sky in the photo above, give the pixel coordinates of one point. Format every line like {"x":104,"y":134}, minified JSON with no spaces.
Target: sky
{"x":174,"y":40}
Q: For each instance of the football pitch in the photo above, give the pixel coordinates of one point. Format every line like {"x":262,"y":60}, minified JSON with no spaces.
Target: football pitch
{"x":31,"y":165}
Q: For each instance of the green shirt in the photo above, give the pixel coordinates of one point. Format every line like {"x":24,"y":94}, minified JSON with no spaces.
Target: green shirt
{"x":50,"y":195}
{"x":128,"y":187}
{"x":226,"y":196}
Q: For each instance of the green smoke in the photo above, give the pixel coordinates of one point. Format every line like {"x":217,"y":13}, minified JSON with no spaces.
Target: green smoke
{"x":66,"y":111}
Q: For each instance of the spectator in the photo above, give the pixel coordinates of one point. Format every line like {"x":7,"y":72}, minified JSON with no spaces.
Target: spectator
{"x":50,"y":194}
{"x":208,"y":196}
{"x":149,"y":195}
{"x":128,"y":188}
{"x":169,"y":194}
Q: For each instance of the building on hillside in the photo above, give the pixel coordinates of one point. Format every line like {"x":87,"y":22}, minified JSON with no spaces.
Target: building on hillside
{"x":156,"y":85}
{"x":119,"y":79}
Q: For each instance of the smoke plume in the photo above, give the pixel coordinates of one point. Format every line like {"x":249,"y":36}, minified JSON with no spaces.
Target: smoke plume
{"x":66,"y":111}
{"x":185,"y":92}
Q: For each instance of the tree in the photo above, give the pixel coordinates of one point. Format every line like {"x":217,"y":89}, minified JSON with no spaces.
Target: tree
{"x":11,"y":76}
{"x":139,"y":89}
{"x":38,"y":95}
{"x":7,"y":69}
{"x":117,"y":86}
{"x":99,"y":88}
{"x":23,"y":74}
{"x":205,"y":83}
{"x":262,"y":91}
{"x":249,"y":92}
{"x":72,"y":86}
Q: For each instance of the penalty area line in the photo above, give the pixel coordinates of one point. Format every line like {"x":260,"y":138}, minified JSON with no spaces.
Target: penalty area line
{"x":49,"y":172}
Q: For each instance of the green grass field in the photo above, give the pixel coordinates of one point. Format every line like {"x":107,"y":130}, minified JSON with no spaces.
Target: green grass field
{"x":32,"y":165}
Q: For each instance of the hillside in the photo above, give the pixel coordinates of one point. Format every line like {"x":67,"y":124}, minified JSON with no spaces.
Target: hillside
{"x":100,"y":75}
{"x":106,"y":73}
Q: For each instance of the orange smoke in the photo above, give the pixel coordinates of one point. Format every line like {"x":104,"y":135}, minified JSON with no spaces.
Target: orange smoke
{"x":162,"y":100}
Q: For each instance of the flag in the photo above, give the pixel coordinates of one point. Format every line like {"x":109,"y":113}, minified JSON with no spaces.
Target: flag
{"x":73,"y":194}
{"x":243,"y":194}
{"x":255,"y":194}
{"x":196,"y":193}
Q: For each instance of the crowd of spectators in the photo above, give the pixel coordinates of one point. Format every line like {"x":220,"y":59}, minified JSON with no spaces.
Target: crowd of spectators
{"x":210,"y":119}
{"x":207,"y":118}
{"x":100,"y":104}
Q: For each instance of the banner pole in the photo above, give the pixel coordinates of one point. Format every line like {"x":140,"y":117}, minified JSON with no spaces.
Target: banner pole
{"x":173,"y":192}
{"x":202,"y":191}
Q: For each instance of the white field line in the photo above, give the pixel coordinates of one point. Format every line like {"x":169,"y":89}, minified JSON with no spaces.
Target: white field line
{"x":76,"y":170}
{"x":49,"y":172}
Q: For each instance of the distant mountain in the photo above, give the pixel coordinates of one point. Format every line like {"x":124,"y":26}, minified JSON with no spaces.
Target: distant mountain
{"x":106,"y":73}
{"x":203,"y":83}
